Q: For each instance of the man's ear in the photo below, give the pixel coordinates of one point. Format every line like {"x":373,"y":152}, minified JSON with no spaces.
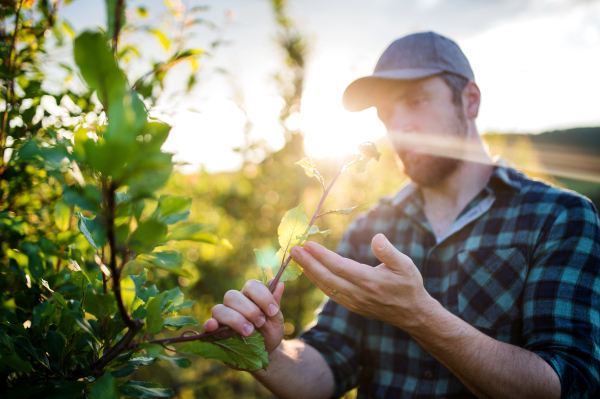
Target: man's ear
{"x":471,"y":99}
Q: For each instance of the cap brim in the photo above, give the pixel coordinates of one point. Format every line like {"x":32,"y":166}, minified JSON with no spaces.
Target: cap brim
{"x":364,"y":92}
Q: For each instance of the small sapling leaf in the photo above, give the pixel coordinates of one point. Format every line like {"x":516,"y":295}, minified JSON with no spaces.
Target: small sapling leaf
{"x":292,"y":227}
{"x":295,"y":228}
{"x":370,"y":150}
{"x":311,"y":169}
{"x":346,"y":211}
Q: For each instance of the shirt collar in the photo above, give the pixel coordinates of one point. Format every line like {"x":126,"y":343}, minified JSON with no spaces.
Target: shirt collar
{"x":504,"y":177}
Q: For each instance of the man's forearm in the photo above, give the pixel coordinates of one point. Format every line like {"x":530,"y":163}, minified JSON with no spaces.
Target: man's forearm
{"x":297,"y":370}
{"x":489,"y":368}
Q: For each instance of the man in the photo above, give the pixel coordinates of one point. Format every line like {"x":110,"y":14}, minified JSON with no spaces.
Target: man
{"x":473,"y":280}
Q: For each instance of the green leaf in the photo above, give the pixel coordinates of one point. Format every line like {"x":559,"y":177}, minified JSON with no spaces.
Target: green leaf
{"x":315,"y":230}
{"x":128,"y":293}
{"x":189,"y":231}
{"x":142,"y":361}
{"x":105,"y":387}
{"x":84,"y":324}
{"x":62,"y":215}
{"x":358,"y":165}
{"x":182,"y":362}
{"x":98,"y":66}
{"x":173,"y":209}
{"x":99,"y":305}
{"x":370,"y":150}
{"x":35,"y":353}
{"x":17,"y":363}
{"x":175,"y":323}
{"x":292,"y":270}
{"x":87,"y":198}
{"x":67,"y":323}
{"x":139,"y":280}
{"x":154,"y":320}
{"x":7,"y":341}
{"x":14,"y":266}
{"x":162,"y":38}
{"x":92,"y":230}
{"x":148,"y":235}
{"x":366,"y":151}
{"x":207,"y":350}
{"x":56,"y":295}
{"x":248,"y":353}
{"x":168,"y":260}
{"x":358,"y":208}
{"x":266,"y":261}
{"x":55,"y":343}
{"x":175,"y":301}
{"x":293,"y":225}
{"x":146,"y":293}
{"x":123,"y":371}
{"x":146,"y":390}
{"x":68,"y":28}
{"x":311,"y":169}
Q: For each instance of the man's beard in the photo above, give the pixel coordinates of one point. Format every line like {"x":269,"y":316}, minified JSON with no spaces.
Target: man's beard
{"x":430,"y":170}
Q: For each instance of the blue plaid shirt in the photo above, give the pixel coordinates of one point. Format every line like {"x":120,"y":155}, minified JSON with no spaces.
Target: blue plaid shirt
{"x":520,"y":264}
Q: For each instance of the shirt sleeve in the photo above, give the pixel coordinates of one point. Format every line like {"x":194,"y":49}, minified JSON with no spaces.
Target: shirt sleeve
{"x":561,"y":300}
{"x":337,"y":335}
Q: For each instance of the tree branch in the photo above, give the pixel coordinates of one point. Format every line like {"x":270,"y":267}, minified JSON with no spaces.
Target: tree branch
{"x":109,"y":190}
{"x":117,"y":27}
{"x":10,"y":84}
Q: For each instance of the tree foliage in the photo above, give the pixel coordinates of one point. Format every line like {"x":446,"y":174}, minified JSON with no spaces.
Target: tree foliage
{"x":75,"y":319}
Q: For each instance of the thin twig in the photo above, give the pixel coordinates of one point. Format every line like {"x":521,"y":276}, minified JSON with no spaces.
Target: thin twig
{"x":274,"y":282}
{"x":117,"y":27}
{"x":9,"y":86}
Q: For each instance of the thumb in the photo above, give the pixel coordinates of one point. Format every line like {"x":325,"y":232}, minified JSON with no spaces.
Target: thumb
{"x":388,"y":254}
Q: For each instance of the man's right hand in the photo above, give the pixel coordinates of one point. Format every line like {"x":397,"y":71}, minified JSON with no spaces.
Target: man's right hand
{"x":252,"y":307}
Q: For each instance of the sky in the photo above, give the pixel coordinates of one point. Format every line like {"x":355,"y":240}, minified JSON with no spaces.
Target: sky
{"x":537,"y":63}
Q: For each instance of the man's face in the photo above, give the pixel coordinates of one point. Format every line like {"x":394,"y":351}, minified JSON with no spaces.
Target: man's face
{"x":419,"y":115}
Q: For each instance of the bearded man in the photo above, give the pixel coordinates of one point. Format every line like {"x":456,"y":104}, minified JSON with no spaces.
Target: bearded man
{"x":474,"y":280}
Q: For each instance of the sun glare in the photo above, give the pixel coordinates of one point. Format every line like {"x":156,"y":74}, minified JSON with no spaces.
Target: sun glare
{"x":330,"y":130}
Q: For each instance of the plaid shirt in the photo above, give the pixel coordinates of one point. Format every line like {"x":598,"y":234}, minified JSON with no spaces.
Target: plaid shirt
{"x":520,"y":264}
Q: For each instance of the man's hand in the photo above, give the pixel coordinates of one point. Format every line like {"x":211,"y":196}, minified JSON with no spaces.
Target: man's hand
{"x":253,"y":307}
{"x":392,"y":292}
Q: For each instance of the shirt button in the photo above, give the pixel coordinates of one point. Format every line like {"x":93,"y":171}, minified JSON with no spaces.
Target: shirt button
{"x":433,"y":256}
{"x":428,"y":374}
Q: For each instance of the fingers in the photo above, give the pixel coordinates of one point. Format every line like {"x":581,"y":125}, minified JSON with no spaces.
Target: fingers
{"x":278,"y":293}
{"x":238,"y":301}
{"x":338,"y":265}
{"x":320,"y":275}
{"x":210,"y":325}
{"x":234,"y":319}
{"x":388,"y":254}
{"x":260,"y":295}
{"x":246,"y":310}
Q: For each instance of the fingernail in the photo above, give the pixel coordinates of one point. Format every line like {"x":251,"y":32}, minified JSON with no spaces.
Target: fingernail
{"x":383,"y":241}
{"x":294,"y":252}
{"x":260,"y":320}
{"x":248,"y":329}
{"x":272,"y":310}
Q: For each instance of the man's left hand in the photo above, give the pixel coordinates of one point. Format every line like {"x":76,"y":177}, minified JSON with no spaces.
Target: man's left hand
{"x":392,"y":292}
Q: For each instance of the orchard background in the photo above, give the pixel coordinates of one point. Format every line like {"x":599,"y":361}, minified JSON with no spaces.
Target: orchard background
{"x":71,"y":142}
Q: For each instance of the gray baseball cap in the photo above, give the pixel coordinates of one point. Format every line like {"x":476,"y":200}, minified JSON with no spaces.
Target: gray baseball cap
{"x":412,"y":57}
